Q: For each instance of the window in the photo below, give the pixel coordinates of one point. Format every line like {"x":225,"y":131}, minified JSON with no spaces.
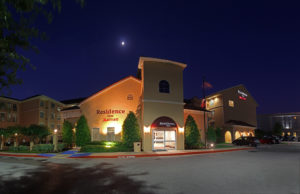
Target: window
{"x":14,"y":117}
{"x":164,"y":86}
{"x":41,"y":103}
{"x":52,"y":126}
{"x":2,"y":116}
{"x":58,"y":127}
{"x":58,"y":117}
{"x":41,"y":114}
{"x":14,"y":107}
{"x":110,"y":134}
{"x":52,"y":115}
{"x":9,"y":106}
{"x":129,"y":97}
{"x":231,"y":103}
{"x":52,"y":105}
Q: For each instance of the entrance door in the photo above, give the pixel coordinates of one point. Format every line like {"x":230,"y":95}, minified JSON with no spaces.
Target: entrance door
{"x":164,"y":139}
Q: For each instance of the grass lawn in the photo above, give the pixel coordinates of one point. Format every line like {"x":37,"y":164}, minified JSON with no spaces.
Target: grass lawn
{"x":224,"y":145}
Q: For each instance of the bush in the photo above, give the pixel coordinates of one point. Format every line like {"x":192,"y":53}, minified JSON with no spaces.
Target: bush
{"x":82,"y":132}
{"x":43,"y":148}
{"x":23,"y":148}
{"x":220,"y":138}
{"x":12,"y":148}
{"x":191,"y":134}
{"x":130,"y":130}
{"x":119,"y":147}
{"x":61,"y":147}
{"x":67,"y":133}
{"x":211,"y":135}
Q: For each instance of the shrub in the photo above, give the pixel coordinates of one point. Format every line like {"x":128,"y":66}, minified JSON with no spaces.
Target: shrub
{"x":43,"y":148}
{"x":23,"y":148}
{"x":67,"y":133}
{"x":61,"y":147}
{"x":130,"y":130}
{"x":191,"y":133}
{"x":211,"y":135}
{"x":82,"y":132}
{"x":35,"y":131}
{"x":120,"y":147}
{"x":12,"y":148}
{"x":220,"y":138}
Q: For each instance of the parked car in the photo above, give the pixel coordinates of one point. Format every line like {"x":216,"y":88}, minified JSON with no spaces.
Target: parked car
{"x":267,"y":140}
{"x":251,"y":141}
{"x":276,"y":139}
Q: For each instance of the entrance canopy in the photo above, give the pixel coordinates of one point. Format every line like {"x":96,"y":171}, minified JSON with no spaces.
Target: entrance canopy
{"x":164,"y":122}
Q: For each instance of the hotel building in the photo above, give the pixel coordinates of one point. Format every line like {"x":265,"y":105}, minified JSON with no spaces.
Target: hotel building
{"x":156,"y":98}
{"x":290,"y":122}
{"x":234,"y":111}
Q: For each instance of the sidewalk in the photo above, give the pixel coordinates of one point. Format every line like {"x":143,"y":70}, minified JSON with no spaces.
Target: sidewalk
{"x":72,"y":154}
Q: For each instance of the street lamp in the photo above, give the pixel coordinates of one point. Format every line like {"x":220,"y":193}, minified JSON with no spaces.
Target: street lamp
{"x":55,"y":140}
{"x":16,"y":140}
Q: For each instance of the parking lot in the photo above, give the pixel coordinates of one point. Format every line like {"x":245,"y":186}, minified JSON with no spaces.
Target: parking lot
{"x":266,"y":169}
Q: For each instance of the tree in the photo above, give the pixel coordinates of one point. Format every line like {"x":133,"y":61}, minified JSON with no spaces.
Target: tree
{"x":82,"y":132}
{"x":67,"y":133}
{"x":130,"y":130}
{"x":17,"y":31}
{"x":277,"y":129}
{"x":259,"y":133}
{"x":211,"y":135}
{"x":35,"y":132}
{"x":219,"y":135}
{"x":5,"y":133}
{"x":191,"y":133}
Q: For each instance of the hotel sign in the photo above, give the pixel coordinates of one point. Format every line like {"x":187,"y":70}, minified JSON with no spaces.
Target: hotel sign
{"x":110,"y":114}
{"x":243,"y":95}
{"x":165,"y":122}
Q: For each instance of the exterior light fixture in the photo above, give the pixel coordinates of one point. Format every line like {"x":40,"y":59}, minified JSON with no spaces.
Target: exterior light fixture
{"x":55,"y":131}
{"x":16,"y":134}
{"x":211,"y":145}
{"x":181,"y":129}
{"x":146,"y":129}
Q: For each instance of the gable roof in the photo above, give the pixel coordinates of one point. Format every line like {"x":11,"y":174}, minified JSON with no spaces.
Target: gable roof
{"x":110,"y":87}
{"x":242,"y":123}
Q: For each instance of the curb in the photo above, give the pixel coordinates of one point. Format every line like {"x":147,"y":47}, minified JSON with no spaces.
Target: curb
{"x":131,"y":155}
{"x":23,"y":155}
{"x":158,"y":155}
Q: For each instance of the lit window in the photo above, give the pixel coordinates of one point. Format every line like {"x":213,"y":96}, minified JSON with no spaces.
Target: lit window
{"x":295,"y":134}
{"x":164,"y":86}
{"x":110,"y":134}
{"x":129,"y":97}
{"x":211,"y":102}
{"x":231,"y":103}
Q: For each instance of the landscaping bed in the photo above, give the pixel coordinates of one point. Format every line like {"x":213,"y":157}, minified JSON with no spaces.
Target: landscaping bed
{"x":37,"y":148}
{"x":105,"y":146}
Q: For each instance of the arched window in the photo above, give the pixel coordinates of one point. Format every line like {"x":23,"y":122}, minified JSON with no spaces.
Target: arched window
{"x":164,"y":86}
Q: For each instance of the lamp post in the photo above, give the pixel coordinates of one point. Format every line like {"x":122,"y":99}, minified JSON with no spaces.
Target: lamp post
{"x":55,"y":140}
{"x":16,"y":140}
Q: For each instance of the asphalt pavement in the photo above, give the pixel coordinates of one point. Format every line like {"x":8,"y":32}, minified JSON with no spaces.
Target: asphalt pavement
{"x":269,"y":169}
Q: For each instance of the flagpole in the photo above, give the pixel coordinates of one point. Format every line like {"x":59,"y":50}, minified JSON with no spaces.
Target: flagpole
{"x":203,"y":92}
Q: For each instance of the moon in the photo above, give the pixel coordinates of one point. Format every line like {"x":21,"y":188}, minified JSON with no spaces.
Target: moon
{"x":123,"y":43}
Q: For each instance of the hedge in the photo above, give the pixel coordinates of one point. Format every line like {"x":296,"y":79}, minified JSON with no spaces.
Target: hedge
{"x":119,"y":147}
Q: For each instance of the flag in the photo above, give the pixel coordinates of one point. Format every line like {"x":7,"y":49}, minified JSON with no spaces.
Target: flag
{"x":203,"y":103}
{"x":207,"y":85}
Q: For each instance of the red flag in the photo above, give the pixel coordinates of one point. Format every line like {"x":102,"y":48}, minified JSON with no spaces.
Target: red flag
{"x":203,"y":104}
{"x":207,"y":85}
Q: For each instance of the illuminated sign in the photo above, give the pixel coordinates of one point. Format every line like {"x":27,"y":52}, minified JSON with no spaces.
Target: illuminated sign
{"x":110,"y":113}
{"x":243,"y":95}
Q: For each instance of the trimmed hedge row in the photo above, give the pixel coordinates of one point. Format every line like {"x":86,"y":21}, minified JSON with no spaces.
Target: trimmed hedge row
{"x":104,"y":146}
{"x":46,"y":148}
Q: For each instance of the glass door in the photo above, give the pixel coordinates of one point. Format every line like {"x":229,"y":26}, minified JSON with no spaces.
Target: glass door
{"x":158,"y":140}
{"x":164,"y":139}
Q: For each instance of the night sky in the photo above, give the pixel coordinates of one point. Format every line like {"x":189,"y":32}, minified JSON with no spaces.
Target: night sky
{"x":231,"y":43}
